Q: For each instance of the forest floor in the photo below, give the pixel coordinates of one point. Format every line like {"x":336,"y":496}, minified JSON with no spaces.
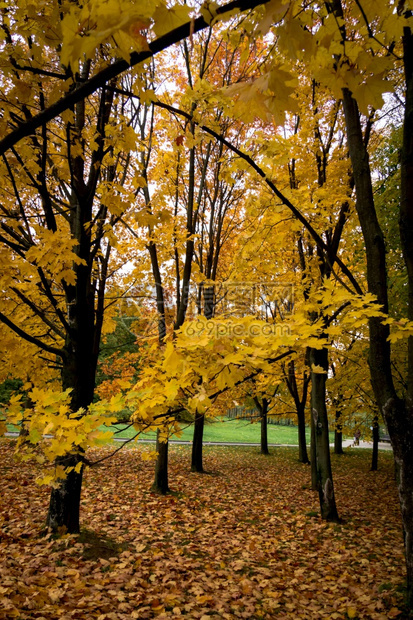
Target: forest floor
{"x":244,"y":541}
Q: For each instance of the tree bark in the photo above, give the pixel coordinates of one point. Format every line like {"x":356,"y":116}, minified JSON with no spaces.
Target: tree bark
{"x":160,"y":483}
{"x":325,"y":485}
{"x":198,"y":438}
{"x":64,"y":506}
{"x":300,"y":404}
{"x":406,"y":193}
{"x":79,"y":368}
{"x":264,"y":429}
{"x":399,"y":419}
{"x":338,"y":435}
{"x":397,"y":413}
{"x":313,"y":454}
{"x":375,"y":453}
{"x":302,"y":441}
{"x":197,"y":444}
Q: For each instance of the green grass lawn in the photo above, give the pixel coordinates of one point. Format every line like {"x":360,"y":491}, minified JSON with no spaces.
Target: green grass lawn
{"x":232,"y":431}
{"x":222,"y":430}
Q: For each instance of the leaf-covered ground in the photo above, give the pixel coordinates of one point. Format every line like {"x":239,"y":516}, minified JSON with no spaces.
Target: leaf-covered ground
{"x":243,"y":542}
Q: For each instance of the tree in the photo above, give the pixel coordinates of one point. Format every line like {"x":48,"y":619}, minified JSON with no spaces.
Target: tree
{"x":397,"y":410}
{"x":378,"y":37}
{"x":62,"y":200}
{"x":300,"y":401}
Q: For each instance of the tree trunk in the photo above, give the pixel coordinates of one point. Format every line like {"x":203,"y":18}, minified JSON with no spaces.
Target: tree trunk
{"x":402,"y":437}
{"x":27,"y":404}
{"x":198,"y":438}
{"x":375,"y":454}
{"x":264,"y":429}
{"x":196,"y":461}
{"x":325,"y":485}
{"x":313,"y":457}
{"x":300,"y":403}
{"x":78,"y":374}
{"x":338,"y":435}
{"x":397,"y":413}
{"x":64,"y":505}
{"x":302,"y":442}
{"x":160,"y":483}
{"x":400,"y":426}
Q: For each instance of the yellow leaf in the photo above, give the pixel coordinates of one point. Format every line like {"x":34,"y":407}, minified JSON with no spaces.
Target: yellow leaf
{"x":209,"y":11}
{"x":169,"y":19}
{"x":370,"y":93}
{"x":149,"y":456}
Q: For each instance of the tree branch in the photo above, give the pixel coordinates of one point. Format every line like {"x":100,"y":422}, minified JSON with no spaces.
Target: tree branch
{"x":29,"y":338}
{"x":37,"y":311}
{"x":26,"y":128}
{"x":321,"y":244}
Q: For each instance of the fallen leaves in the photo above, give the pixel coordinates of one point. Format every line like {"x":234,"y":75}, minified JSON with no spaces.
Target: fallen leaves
{"x":242,"y":542}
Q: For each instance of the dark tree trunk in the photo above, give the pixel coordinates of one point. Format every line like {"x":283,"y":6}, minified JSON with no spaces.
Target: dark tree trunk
{"x":197,"y":444}
{"x":27,"y":404}
{"x":84,"y":307}
{"x":300,"y":404}
{"x":198,"y":438}
{"x":264,"y":429}
{"x":78,"y":374}
{"x":375,"y":454}
{"x":160,"y":483}
{"x":209,"y":301}
{"x":400,"y":427}
{"x":302,"y":442}
{"x":64,"y":505}
{"x":397,"y":413}
{"x":325,"y":485}
{"x":338,"y":435}
{"x":313,"y":454}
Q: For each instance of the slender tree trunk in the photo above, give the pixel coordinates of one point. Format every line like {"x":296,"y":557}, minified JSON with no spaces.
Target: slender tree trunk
{"x":198,"y":438}
{"x":325,"y":485}
{"x":313,"y":456}
{"x":291,"y":382}
{"x":160,"y":483}
{"x":209,"y":301}
{"x":27,"y":404}
{"x":197,"y":444}
{"x":338,"y":435}
{"x":302,"y":441}
{"x":264,"y":429}
{"x":375,"y":454}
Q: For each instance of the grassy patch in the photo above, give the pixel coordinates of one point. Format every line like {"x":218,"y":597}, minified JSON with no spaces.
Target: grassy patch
{"x":231,"y":431}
